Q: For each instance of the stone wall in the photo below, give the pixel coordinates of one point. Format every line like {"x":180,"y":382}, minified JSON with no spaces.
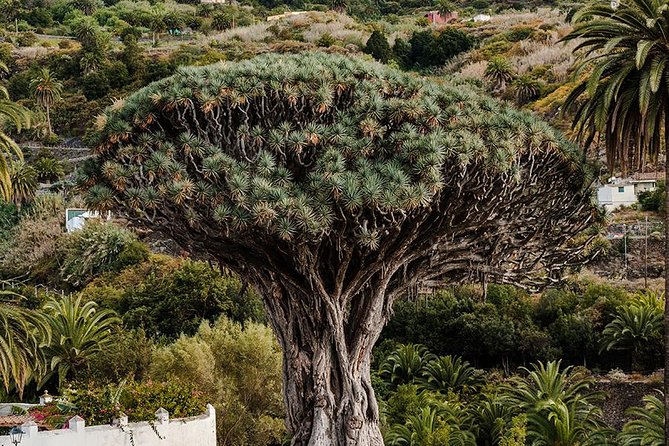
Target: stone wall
{"x":621,"y":395}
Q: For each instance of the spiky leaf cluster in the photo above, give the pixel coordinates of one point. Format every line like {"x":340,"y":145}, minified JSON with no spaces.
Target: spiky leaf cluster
{"x":283,"y":150}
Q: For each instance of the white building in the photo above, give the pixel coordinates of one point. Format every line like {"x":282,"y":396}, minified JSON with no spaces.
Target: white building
{"x":613,"y":196}
{"x":646,"y":181}
{"x":76,"y":218}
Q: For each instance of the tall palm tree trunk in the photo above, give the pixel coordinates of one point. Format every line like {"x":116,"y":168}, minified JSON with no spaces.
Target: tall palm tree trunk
{"x":48,"y":120}
{"x":666,"y":277}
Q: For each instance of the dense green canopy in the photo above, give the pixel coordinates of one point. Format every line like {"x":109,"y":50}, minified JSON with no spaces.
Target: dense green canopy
{"x":291,"y":146}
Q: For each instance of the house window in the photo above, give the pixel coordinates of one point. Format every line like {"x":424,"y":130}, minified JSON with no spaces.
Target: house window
{"x":621,"y":189}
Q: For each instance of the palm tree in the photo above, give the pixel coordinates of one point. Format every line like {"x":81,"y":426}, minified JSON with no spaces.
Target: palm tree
{"x":561,"y":409}
{"x":526,"y":89}
{"x":499,"y":72}
{"x":445,"y":7}
{"x":431,"y":426}
{"x":79,"y":331}
{"x":88,"y":7}
{"x":636,"y":325}
{"x":449,"y":373}
{"x":647,"y":429}
{"x":17,"y":116}
{"x":47,"y":90}
{"x":625,"y":98}
{"x":405,"y":364}
{"x":492,"y":418}
{"x":157,"y":24}
{"x":24,"y":183}
{"x":22,"y":335}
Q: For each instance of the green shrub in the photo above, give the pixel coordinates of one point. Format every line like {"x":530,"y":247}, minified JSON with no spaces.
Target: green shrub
{"x":127,"y":356}
{"x":377,"y":46}
{"x":95,"y":249}
{"x":326,"y":40}
{"x":519,"y":33}
{"x":26,"y":39}
{"x":133,"y":253}
{"x":653,"y":200}
{"x":6,"y":49}
{"x":239,"y":369}
{"x":168,"y":297}
{"x":431,"y":49}
{"x":65,"y":44}
{"x":139,"y":401}
{"x":32,"y":247}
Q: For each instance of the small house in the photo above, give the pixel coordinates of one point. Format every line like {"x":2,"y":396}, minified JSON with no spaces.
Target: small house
{"x":616,"y":195}
{"x":646,"y":181}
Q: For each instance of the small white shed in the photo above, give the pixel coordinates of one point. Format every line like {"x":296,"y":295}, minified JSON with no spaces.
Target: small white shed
{"x":613,"y":196}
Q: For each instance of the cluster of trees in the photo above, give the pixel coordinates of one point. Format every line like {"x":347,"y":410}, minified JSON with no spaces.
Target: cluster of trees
{"x":584,"y":324}
{"x":139,"y":329}
{"x":424,"y":49}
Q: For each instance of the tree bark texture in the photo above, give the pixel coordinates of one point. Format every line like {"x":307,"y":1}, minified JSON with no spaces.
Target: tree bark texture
{"x":327,"y":385}
{"x":666,"y":289}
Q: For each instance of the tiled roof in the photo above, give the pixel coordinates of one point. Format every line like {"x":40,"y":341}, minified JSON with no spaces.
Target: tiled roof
{"x":13,"y":420}
{"x":648,"y":176}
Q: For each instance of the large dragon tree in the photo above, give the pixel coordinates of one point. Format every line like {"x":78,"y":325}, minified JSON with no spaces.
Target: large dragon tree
{"x":334,"y":185}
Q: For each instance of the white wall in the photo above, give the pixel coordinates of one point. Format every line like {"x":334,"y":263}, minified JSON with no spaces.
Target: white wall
{"x":195,"y":431}
{"x":613,"y":196}
{"x":643,"y":186}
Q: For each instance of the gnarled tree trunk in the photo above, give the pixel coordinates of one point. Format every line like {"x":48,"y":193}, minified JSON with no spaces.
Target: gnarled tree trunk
{"x":326,"y":364}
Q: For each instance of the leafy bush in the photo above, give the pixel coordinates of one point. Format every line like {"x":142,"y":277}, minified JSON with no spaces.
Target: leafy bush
{"x":653,"y":200}
{"x":168,"y":297}
{"x":95,"y":249}
{"x":510,"y":328}
{"x":26,"y":39}
{"x":377,"y":46}
{"x":239,"y":369}
{"x":326,"y":40}
{"x":33,"y":244}
{"x":139,"y":401}
{"x":431,"y":49}
{"x":126,"y":356}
